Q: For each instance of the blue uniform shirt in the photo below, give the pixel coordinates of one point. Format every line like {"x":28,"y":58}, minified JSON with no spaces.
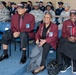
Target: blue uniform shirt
{"x":58,"y":11}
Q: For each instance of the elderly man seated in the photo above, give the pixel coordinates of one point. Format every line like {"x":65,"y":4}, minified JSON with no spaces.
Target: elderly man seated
{"x":67,"y":44}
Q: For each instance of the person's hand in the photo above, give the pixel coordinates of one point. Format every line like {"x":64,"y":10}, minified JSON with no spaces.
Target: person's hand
{"x":16,"y":34}
{"x":75,"y":39}
{"x":37,"y":41}
{"x":71,"y":39}
{"x":42,"y":42}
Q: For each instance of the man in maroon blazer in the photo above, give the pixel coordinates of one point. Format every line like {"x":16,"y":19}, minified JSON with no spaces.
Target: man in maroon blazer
{"x":22,"y":25}
{"x":67,"y":44}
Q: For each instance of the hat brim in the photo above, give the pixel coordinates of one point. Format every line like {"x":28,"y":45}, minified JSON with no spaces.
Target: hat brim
{"x":21,"y":7}
{"x":49,"y":6}
{"x":72,"y":13}
{"x":60,"y":3}
{"x":36,"y":5}
{"x":13,"y":4}
{"x":40,"y":2}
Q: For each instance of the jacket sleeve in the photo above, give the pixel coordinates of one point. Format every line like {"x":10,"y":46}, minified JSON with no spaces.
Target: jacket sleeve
{"x":32,"y":24}
{"x":12,"y":25}
{"x":54,"y":37}
{"x":64,"y":30}
{"x":37,"y":36}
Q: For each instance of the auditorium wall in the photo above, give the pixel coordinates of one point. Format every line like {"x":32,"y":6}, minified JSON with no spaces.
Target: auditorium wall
{"x":71,"y":2}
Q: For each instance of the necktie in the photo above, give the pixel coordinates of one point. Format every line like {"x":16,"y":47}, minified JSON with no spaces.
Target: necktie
{"x":20,"y":22}
{"x":74,"y":29}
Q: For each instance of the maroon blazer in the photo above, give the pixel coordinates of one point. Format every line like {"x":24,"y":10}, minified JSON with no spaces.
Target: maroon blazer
{"x":51,"y":36}
{"x":66,"y":31}
{"x":27,"y":19}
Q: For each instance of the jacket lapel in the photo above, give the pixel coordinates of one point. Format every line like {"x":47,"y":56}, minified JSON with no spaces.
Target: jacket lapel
{"x":47,"y":31}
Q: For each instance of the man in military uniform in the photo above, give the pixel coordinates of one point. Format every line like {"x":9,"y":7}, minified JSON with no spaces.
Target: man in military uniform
{"x":59,"y":10}
{"x":4,"y":13}
{"x":41,"y":6}
{"x":38,"y":15}
{"x":22,"y":26}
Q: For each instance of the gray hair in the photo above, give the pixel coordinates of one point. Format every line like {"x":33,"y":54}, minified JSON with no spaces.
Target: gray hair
{"x":48,"y":14}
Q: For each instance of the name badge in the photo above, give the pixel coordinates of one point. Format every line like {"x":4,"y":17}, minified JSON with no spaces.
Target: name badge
{"x":27,"y":25}
{"x":50,"y":34}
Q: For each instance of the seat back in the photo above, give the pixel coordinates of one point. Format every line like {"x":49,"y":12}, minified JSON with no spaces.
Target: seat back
{"x":4,"y":26}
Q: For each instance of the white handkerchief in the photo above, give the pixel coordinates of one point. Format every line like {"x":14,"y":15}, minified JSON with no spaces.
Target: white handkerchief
{"x":6,"y":28}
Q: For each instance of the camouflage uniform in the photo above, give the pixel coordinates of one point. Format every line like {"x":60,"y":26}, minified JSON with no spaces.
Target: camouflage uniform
{"x":4,"y":14}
